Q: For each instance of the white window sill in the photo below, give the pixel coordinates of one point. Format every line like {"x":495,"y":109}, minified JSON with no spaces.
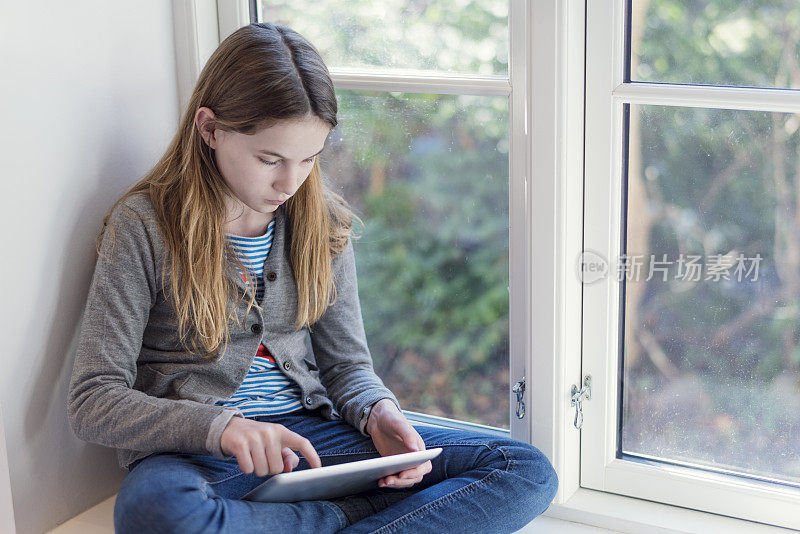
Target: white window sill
{"x":637,"y":516}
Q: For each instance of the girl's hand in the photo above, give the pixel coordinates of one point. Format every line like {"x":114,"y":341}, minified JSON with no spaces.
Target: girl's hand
{"x":393,"y":434}
{"x":266,"y":448}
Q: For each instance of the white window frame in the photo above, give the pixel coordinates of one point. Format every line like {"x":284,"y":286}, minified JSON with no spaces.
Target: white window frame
{"x":546,"y":216}
{"x":607,"y":94}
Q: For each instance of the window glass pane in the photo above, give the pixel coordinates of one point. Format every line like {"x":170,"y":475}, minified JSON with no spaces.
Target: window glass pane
{"x":712,"y":340}
{"x":463,"y":36}
{"x":750,"y":43}
{"x":428,"y":175}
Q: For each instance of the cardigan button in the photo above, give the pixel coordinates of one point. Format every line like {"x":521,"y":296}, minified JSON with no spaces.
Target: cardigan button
{"x":287,"y":365}
{"x":272,"y":276}
{"x":256,"y":328}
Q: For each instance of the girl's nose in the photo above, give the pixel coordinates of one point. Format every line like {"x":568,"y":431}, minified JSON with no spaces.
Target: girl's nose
{"x":288,"y":181}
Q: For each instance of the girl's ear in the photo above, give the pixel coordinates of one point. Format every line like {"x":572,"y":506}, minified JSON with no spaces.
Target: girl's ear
{"x":204,"y":121}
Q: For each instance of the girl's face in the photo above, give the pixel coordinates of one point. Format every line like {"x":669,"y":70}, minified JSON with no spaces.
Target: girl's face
{"x":269,"y":165}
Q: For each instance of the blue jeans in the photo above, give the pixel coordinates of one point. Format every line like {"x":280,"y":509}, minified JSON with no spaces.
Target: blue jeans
{"x":479,"y":483}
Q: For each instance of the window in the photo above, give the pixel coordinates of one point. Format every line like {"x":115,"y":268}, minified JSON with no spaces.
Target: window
{"x":691,"y":332}
{"x":646,"y":129}
{"x":422,"y":153}
{"x":428,"y":174}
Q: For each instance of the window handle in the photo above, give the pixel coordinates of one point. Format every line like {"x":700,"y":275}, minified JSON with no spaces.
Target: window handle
{"x":519,"y":389}
{"x":578,"y":396}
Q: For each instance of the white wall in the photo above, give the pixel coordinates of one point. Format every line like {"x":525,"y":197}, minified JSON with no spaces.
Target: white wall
{"x":89,"y":102}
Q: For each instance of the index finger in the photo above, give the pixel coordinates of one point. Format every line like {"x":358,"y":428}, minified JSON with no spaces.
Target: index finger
{"x":298,"y":443}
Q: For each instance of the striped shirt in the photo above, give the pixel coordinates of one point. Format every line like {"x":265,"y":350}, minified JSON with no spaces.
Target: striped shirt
{"x":265,"y":390}
{"x":253,"y":252}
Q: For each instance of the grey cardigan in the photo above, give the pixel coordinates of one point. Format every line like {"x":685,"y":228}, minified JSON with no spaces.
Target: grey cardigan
{"x":133,"y":386}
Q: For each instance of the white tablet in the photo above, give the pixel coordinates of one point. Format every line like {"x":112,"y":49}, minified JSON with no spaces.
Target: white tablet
{"x":336,"y":480}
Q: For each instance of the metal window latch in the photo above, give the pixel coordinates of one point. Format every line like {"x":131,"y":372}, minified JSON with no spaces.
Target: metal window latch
{"x":578,"y":396}
{"x":519,"y":389}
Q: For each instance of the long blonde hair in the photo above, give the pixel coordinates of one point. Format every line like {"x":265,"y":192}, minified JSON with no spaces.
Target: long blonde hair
{"x":261,"y":74}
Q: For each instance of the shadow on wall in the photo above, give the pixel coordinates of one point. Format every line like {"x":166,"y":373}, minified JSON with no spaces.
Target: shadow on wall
{"x":90,"y":471}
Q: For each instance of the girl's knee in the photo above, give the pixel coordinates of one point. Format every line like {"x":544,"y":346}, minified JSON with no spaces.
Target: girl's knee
{"x":529,"y":463}
{"x":157,"y":504}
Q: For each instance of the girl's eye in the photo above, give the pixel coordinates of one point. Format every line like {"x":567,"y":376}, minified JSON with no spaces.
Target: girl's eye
{"x":273,"y":163}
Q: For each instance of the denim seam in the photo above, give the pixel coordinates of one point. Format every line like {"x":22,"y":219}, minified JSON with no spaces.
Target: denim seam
{"x":227,"y":476}
{"x":428,"y":446}
{"x":397,"y":523}
{"x":339,"y":513}
{"x":204,"y":490}
{"x":341,"y":452}
{"x":344,"y":452}
{"x":446,"y":443}
{"x":509,"y":460}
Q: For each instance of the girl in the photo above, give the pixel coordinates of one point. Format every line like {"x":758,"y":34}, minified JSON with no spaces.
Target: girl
{"x":192,"y":357}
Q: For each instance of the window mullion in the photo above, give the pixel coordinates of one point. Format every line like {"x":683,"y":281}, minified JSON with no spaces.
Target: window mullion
{"x":744,"y":98}
{"x":519,"y":235}
{"x":421,"y":83}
